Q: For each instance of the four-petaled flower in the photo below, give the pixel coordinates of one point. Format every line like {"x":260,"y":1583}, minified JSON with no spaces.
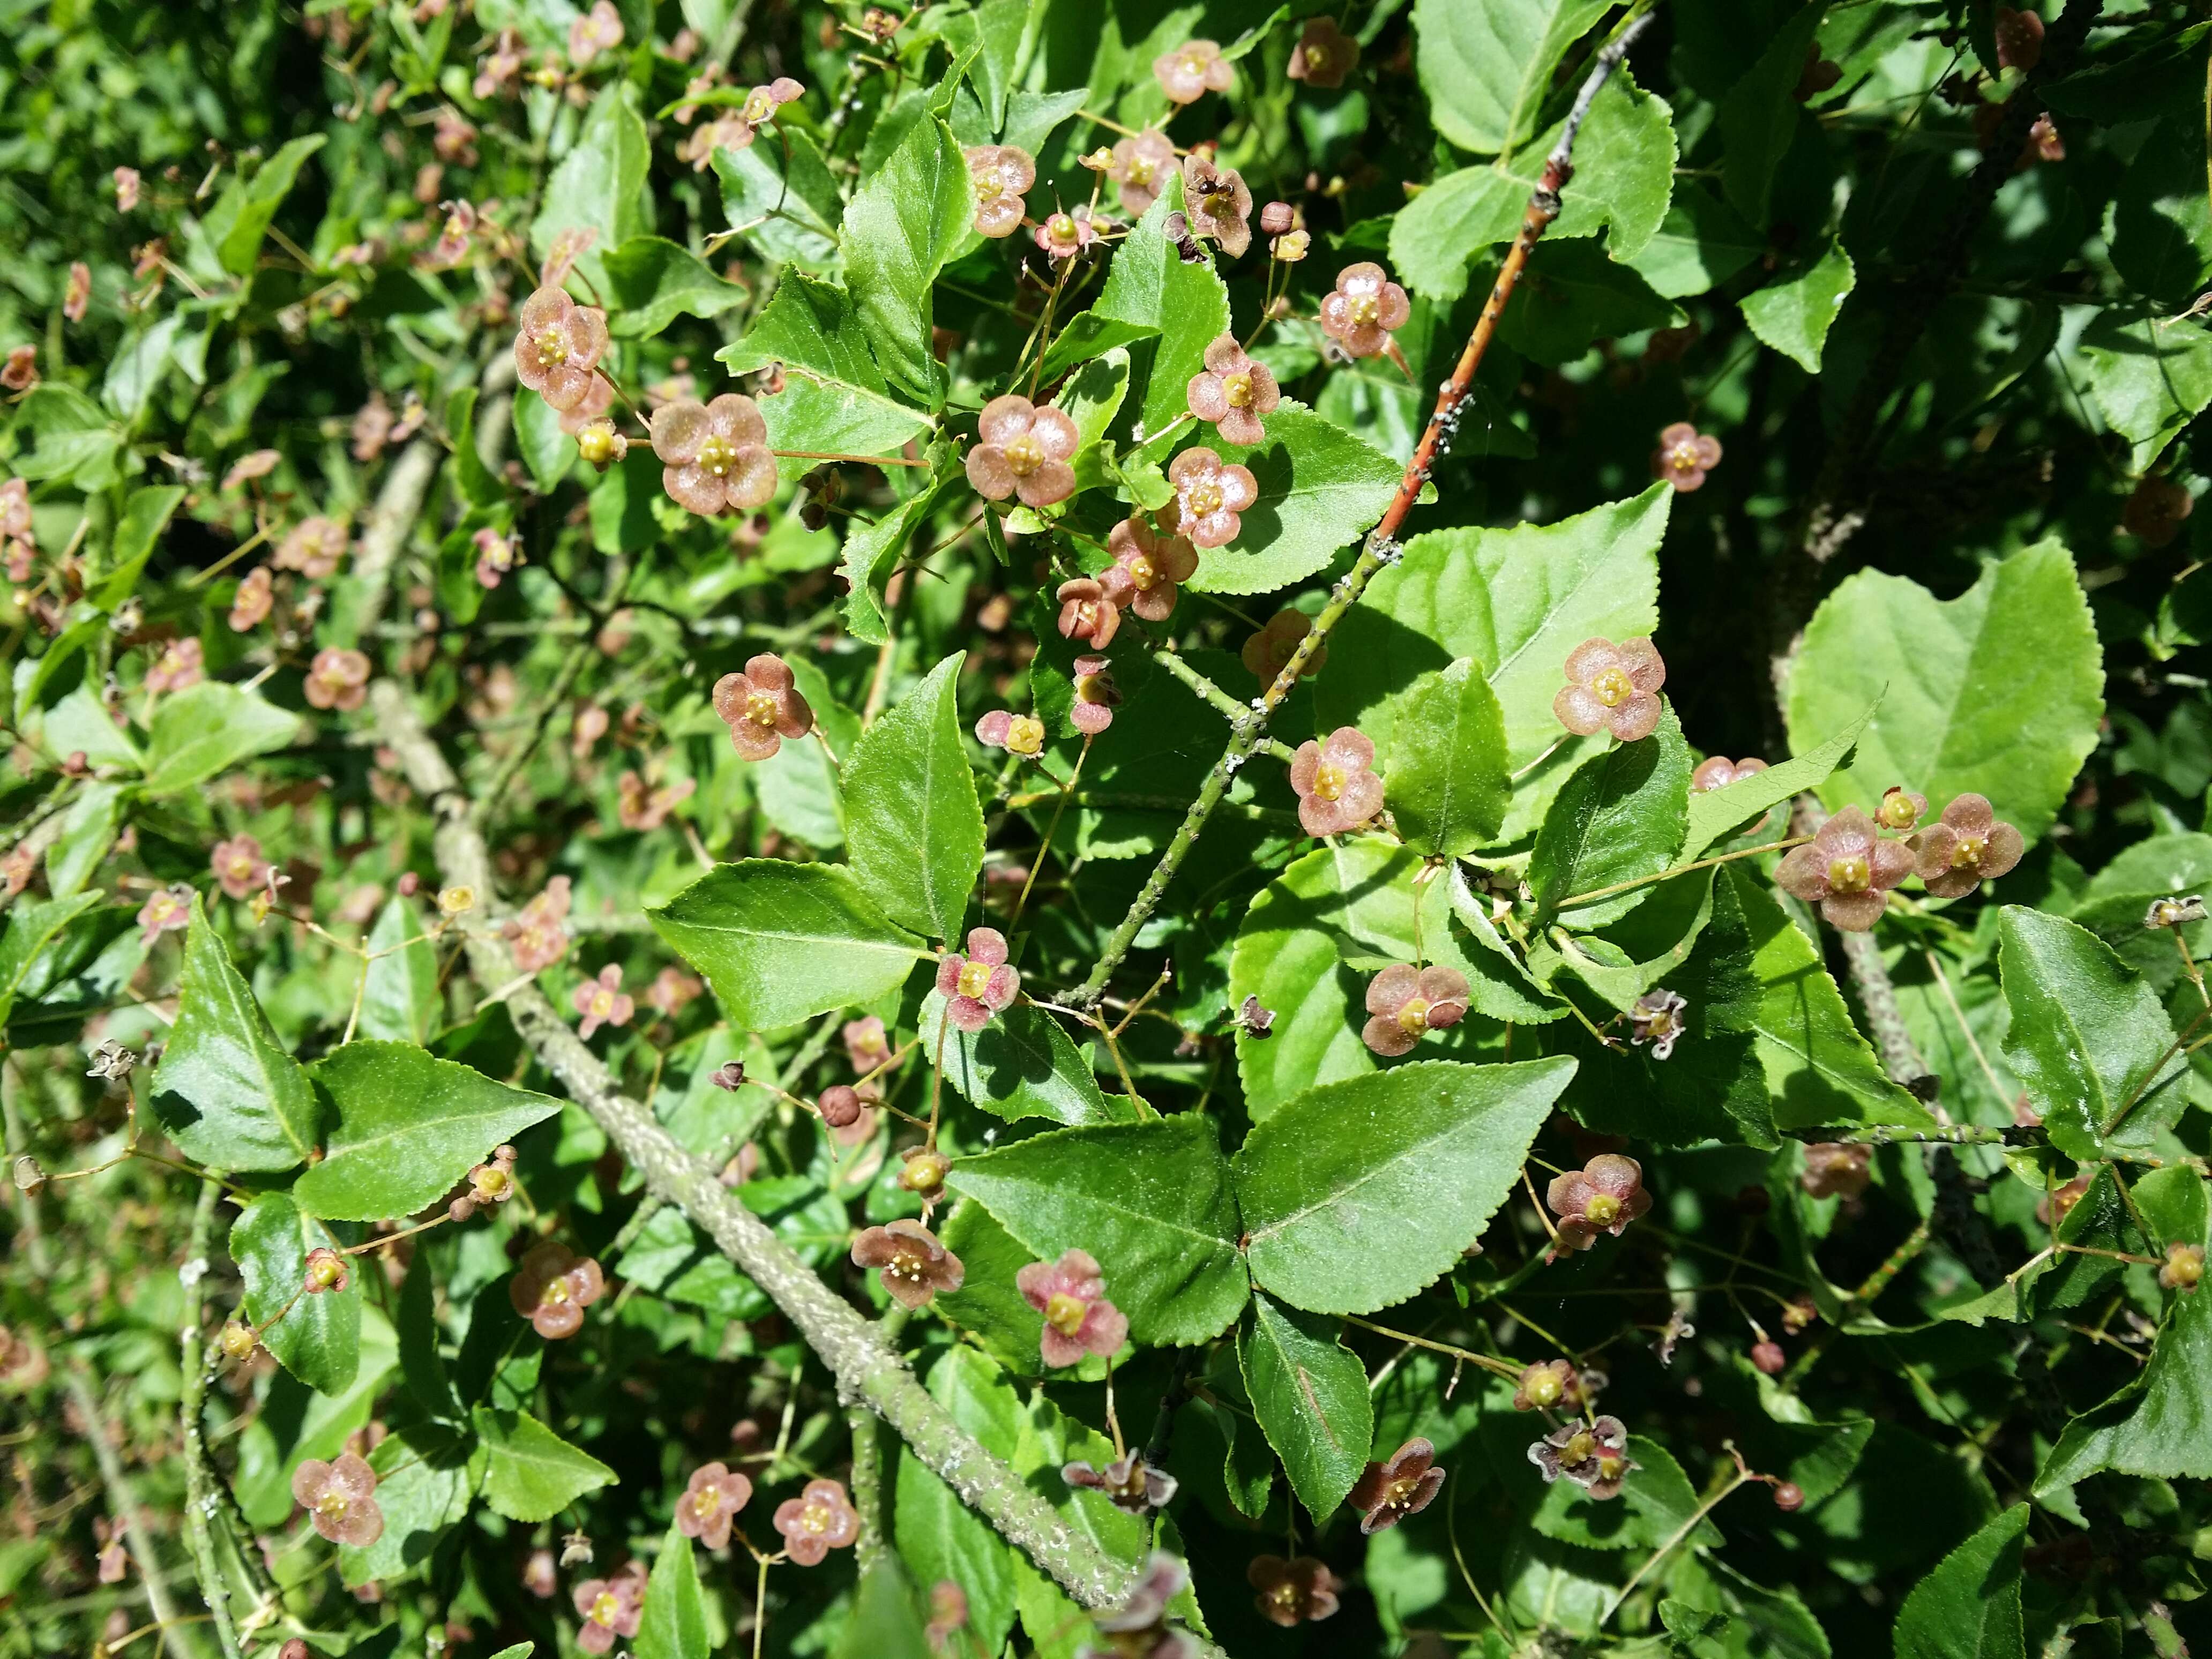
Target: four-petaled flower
{"x":1657,"y":1018}
{"x":1337,"y":787}
{"x":1002,"y":174}
{"x":1551,"y":1383}
{"x":819,"y":1520}
{"x":916,"y":1266}
{"x":1095,"y":696}
{"x":2155,"y":511}
{"x":534,"y":932}
{"x":1155,"y":560}
{"x":557,"y":344}
{"x":1966,"y":847}
{"x":1210,"y":492}
{"x":1685,"y":455}
{"x":980,"y":983}
{"x":1324,"y":55}
{"x":710,"y":1503}
{"x":1720,"y":771}
{"x":338,"y":679}
{"x":1594,"y":1455}
{"x":1022,"y":450}
{"x":340,"y":1499}
{"x":599,"y":30}
{"x":1086,"y":612}
{"x":761,"y":708}
{"x":1192,"y":71}
{"x":1139,"y":169}
{"x":1018,"y":734}
{"x":1071,"y":1294}
{"x":1269,"y":651}
{"x":249,"y":606}
{"x":1145,"y":1611}
{"x":714,"y":457}
{"x":326,"y":1270}
{"x":165,"y":913}
{"x":602,"y":1001}
{"x":1611,"y":688}
{"x":552,"y":1288}
{"x":609,"y":1607}
{"x":1220,"y":205}
{"x":1128,"y":1482}
{"x":180,"y":665}
{"x":313,"y":548}
{"x":1847,"y":869}
{"x":1407,"y":1484}
{"x":1603,"y":1196}
{"x":1063,"y":235}
{"x":867,"y":1044}
{"x":492,"y":1181}
{"x":239,"y":866}
{"x":1363,"y":309}
{"x":1233,"y":392}
{"x":1405,"y":1003}
{"x":1292,"y":1592}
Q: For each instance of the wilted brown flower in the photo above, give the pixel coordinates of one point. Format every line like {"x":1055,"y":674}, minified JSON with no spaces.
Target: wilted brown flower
{"x":1389,"y":1492}
{"x":1128,"y":1482}
{"x":22,"y":371}
{"x":1292,"y":1592}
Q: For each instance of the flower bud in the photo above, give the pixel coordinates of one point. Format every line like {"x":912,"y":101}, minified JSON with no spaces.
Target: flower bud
{"x":237,"y":1340}
{"x":1788,"y":1497}
{"x":601,"y":445}
{"x":925,"y":1170}
{"x":1769,"y":1357}
{"x":456,"y":900}
{"x":1277,"y":218}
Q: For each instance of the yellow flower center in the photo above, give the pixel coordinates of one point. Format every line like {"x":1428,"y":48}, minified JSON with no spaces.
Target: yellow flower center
{"x":1193,"y":66}
{"x":988,"y":188}
{"x":239,"y":866}
{"x":1141,"y":573}
{"x":456,"y":226}
{"x":1413,"y":1016}
{"x":1364,"y":309}
{"x":758,"y":107}
{"x":1578,"y":1447}
{"x":1316,"y":57}
{"x":333,"y":1502}
{"x":1683,"y":457}
{"x":1402,"y":1490}
{"x":1966,"y":852}
{"x":1602,"y":1209}
{"x":974,"y":979}
{"x":1237,"y":389}
{"x":603,"y":1003}
{"x":1025,"y":455}
{"x":1140,"y":171}
{"x":557,"y":1293}
{"x":1060,"y":228}
{"x":760,"y":708}
{"x":1204,"y":498}
{"x":1896,"y":812}
{"x":1025,"y":735}
{"x":717,"y":455}
{"x":1064,"y":1313}
{"x":1329,"y":780}
{"x":707,"y":1503}
{"x":1090,"y":687}
{"x":493,"y":1182}
{"x":552,"y":346}
{"x":605,"y":1609}
{"x":1611,"y":1466}
{"x":1284,"y":1594}
{"x":815,"y":1517}
{"x":1612,"y":687}
{"x":1544,"y":1389}
{"x":1850,"y":875}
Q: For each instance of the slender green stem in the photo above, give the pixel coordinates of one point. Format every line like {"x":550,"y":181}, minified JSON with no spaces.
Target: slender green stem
{"x":1596,"y":893}
{"x":197,"y":1364}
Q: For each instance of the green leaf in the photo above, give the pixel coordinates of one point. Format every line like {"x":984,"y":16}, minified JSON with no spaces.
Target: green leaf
{"x":1702,"y":243}
{"x":531,"y":1473}
{"x":898,"y":230}
{"x":2161,"y":222}
{"x":989,"y":1305}
{"x":674,"y":1622}
{"x":242,"y":214}
{"x":914,"y":829}
{"x":1516,"y":600}
{"x":1486,"y":67}
{"x":1794,"y":316}
{"x":835,"y":399}
{"x":599,"y":185}
{"x":1998,"y":691}
{"x":1969,"y":1607}
{"x":1151,"y":1201}
{"x":1357,"y":1195}
{"x":789,"y":210}
{"x":1023,"y":1064}
{"x":886,"y":1622}
{"x":1445,"y":780}
{"x":1622,"y":817}
{"x":2151,"y":377}
{"x":207,"y":729}
{"x":1759,"y":117}
{"x":2089,"y":1039}
{"x":88,"y":830}
{"x":146,"y":515}
{"x":30,"y":927}
{"x":1654,"y":1507}
{"x":652,"y":281}
{"x":2172,"y":1201}
{"x":870,"y":550}
{"x":1032,"y":117}
{"x":423,"y":1486}
{"x":801,"y":792}
{"x":1310,"y":1394}
{"x":479,"y":485}
{"x":81,"y":721}
{"x":2160,"y":1426}
{"x":784,"y":942}
{"x":1715,"y":813}
{"x":319,"y":1339}
{"x":225,"y":1091}
{"x":548,"y":451}
{"x":75,"y":439}
{"x":135,"y":372}
{"x":1150,"y":288}
{"x":422,"y":1361}
{"x":409,"y":1127}
{"x":938,"y":1535}
{"x":399,"y":997}
{"x":1572,"y":296}
{"x":1320,"y":488}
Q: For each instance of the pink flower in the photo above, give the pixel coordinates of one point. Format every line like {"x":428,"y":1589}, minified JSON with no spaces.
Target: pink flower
{"x":76,"y":297}
{"x":1613,"y":688}
{"x":570,"y":246}
{"x":1406,"y":1003}
{"x":602,"y":1001}
{"x":1139,"y":169}
{"x":496,"y":555}
{"x":1192,"y":71}
{"x":2019,"y":39}
{"x":716,"y":455}
{"x":1604,"y":1195}
{"x":180,"y":665}
{"x":326,"y":1270}
{"x":819,"y":1520}
{"x":672,"y":989}
{"x":867,"y":1044}
{"x":1720,"y":772}
{"x":1022,"y":450}
{"x":1388,"y":1493}
{"x":338,"y":679}
{"x":1220,"y":205}
{"x":1086,"y":612}
{"x":313,"y":548}
{"x":239,"y":866}
{"x":1071,"y":1294}
{"x":1269,"y":651}
{"x":453,"y":236}
{"x":1233,"y":392}
{"x":534,"y":934}
{"x":599,"y":30}
{"x":1838,"y":1168}
{"x":1018,"y":734}
{"x":1209,"y":494}
{"x":1336,"y":786}
{"x":1363,"y":309}
{"x":762,"y":707}
{"x":22,"y":371}
{"x":552,"y":1288}
{"x":1324,"y":54}
{"x":258,"y":465}
{"x":914,"y":1266}
{"x":609,"y":1607}
{"x":1847,"y":869}
{"x":642,"y":808}
{"x":1095,"y":696}
{"x":979,"y":984}
{"x":1064,"y":235}
{"x":340,"y":1499}
{"x":1002,"y":174}
{"x":500,"y":72}
{"x":1685,"y":455}
{"x":167,"y":912}
{"x":1156,"y":562}
{"x":557,"y":344}
{"x":1969,"y":846}
{"x":126,"y":189}
{"x":710,"y":1503}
